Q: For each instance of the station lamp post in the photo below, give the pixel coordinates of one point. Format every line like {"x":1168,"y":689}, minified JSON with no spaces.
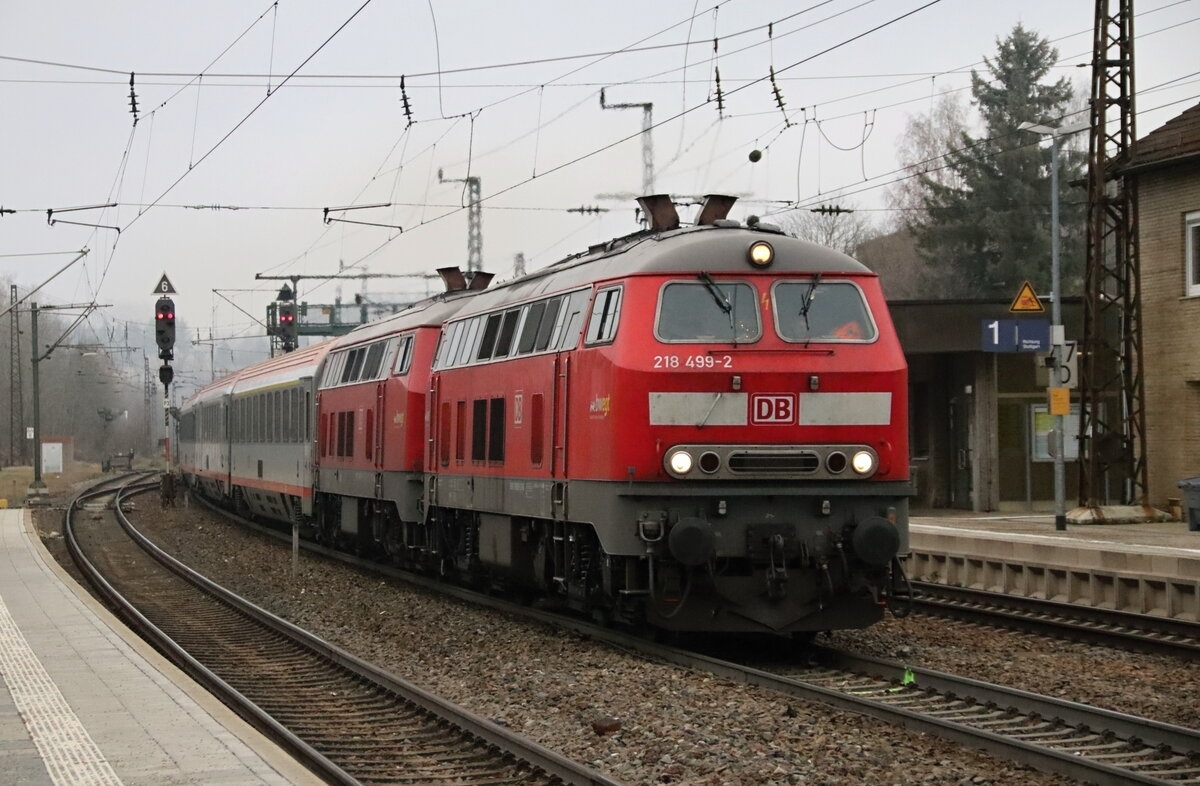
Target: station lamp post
{"x":1056,"y":327}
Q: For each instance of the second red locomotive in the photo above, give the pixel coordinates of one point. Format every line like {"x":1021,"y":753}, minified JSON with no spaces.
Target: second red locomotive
{"x":693,"y":428}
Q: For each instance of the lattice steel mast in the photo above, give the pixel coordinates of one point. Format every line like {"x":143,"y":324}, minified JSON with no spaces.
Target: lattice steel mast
{"x":474,"y":218}
{"x":647,"y":139}
{"x":1112,"y":434}
{"x":16,"y":392}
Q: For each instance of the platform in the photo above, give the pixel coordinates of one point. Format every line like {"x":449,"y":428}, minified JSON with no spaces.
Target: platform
{"x":1149,"y":568}
{"x":85,"y":701}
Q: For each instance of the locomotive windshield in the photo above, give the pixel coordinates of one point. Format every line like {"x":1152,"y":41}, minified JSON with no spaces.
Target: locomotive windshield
{"x":707,"y":310}
{"x":817,"y":310}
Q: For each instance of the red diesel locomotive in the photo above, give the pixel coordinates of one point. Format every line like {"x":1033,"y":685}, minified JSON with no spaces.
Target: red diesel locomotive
{"x":694,"y":428}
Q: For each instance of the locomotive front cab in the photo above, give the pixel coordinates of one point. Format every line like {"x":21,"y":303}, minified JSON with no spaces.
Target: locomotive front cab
{"x":771,"y":440}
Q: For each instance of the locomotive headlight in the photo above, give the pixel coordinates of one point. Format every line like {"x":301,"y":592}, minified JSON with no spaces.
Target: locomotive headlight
{"x":680,"y":462}
{"x":863,"y":462}
{"x":761,"y":254}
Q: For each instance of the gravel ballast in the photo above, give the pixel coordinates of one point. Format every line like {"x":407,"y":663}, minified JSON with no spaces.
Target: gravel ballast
{"x":674,"y":726}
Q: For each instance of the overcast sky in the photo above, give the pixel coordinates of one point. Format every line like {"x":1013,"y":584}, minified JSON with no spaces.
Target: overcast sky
{"x":517,"y":104}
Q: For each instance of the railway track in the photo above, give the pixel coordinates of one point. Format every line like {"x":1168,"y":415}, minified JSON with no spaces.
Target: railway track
{"x":347,"y":721}
{"x":1141,"y":632}
{"x":1087,"y":743}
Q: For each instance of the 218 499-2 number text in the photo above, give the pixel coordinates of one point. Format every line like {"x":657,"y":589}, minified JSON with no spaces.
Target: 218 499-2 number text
{"x":693,"y":361}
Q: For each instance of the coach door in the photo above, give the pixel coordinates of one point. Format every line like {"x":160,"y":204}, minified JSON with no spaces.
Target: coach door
{"x":559,"y":430}
{"x":380,"y":418}
{"x":433,"y":439}
{"x":226,"y":444}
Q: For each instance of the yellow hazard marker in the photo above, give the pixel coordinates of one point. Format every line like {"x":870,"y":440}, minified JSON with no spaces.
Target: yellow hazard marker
{"x":1027,"y":301}
{"x":1059,"y":400}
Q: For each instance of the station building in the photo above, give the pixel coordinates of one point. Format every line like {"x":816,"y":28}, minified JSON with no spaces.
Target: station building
{"x":978,"y":420}
{"x":1165,"y":169}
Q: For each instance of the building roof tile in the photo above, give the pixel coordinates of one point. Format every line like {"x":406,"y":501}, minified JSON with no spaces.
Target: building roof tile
{"x":1176,"y":140}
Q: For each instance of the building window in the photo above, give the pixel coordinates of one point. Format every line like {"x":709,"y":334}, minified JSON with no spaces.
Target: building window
{"x":1192,"y":252}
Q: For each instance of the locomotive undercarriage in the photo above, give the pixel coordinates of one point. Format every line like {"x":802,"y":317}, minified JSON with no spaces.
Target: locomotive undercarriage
{"x":747,"y":560}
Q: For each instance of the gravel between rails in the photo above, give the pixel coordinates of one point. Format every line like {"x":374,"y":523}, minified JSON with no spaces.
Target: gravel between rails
{"x":676,"y":727}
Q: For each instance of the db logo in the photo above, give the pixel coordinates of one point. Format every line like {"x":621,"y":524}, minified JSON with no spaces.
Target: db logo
{"x":773,"y":408}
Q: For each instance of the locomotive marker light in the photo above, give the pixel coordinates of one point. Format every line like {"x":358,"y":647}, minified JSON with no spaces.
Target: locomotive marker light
{"x":761,"y":254}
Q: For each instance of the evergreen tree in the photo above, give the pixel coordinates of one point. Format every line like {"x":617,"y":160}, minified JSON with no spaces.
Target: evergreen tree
{"x":988,"y":230}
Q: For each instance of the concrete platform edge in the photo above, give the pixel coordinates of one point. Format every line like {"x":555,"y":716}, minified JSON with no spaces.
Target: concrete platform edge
{"x":270,"y":752}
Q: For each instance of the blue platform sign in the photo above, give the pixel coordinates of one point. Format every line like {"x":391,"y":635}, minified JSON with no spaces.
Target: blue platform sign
{"x":1015,"y":335}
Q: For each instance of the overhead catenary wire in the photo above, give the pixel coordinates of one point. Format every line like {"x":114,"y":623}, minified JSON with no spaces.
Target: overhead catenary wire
{"x":477,"y":155}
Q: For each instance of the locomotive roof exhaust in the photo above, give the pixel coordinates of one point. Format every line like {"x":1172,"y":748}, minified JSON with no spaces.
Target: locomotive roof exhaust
{"x":456,"y":281}
{"x":480,"y":280}
{"x":716,"y":207}
{"x":662,"y":214}
{"x":453,"y":278}
{"x":661,"y":211}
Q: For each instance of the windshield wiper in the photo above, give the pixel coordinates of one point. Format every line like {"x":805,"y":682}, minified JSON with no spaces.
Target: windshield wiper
{"x":722,"y":302}
{"x":716,"y":292}
{"x":808,"y":300}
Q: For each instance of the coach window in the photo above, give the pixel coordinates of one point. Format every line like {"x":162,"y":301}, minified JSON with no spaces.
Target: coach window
{"x":529,"y":331}
{"x":471,"y":332}
{"x":572,"y":322}
{"x":824,"y":311}
{"x":373,"y":362}
{"x":352,"y":367}
{"x":549,"y":323}
{"x":479,"y":430}
{"x":460,"y":431}
{"x":606,"y":310}
{"x":496,"y":424}
{"x":369,"y":435}
{"x":490,"y":331}
{"x":707,"y":311}
{"x":448,"y":344}
{"x":404,"y":356}
{"x":286,"y":436}
{"x":537,"y":433}
{"x":508,"y":328}
{"x":333,"y":374}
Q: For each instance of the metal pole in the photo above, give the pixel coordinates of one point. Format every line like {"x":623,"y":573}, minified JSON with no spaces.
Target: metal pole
{"x":37,"y":487}
{"x":1056,"y":330}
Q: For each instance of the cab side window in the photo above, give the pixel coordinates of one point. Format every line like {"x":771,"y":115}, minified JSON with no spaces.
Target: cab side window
{"x":606,"y":311}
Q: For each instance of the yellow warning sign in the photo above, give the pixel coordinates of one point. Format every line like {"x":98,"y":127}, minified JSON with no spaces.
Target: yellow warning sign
{"x":1060,"y":401}
{"x":1026,"y":300}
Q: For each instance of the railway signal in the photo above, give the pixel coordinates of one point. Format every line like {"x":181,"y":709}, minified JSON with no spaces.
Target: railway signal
{"x":164,"y":328}
{"x":288,"y":333}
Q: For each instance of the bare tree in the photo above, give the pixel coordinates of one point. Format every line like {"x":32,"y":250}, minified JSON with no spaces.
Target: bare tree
{"x":844,"y":230}
{"x":921,"y":149}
